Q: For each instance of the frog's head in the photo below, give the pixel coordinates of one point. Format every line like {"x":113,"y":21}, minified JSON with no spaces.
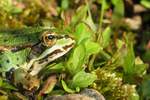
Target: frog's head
{"x":50,"y":39}
{"x":56,"y":45}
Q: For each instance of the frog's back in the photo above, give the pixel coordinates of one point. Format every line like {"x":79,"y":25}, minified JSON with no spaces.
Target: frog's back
{"x":19,"y":37}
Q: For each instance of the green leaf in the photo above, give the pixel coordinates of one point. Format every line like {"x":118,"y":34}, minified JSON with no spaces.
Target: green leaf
{"x":76,"y":61}
{"x":80,"y":14}
{"x":1,"y":81}
{"x":89,"y":21}
{"x":5,"y":85}
{"x":66,"y":88}
{"x":141,"y":69}
{"x":140,"y":66}
{"x":78,"y":56}
{"x":146,"y":56}
{"x":52,"y":68}
{"x":133,"y":96}
{"x":82,"y":32}
{"x":106,"y":37}
{"x":106,"y":4}
{"x":92,"y":48}
{"x":129,"y":59}
{"x":82,"y":79}
{"x":3,"y":97}
{"x":118,"y":9}
{"x":119,"y":43}
{"x":145,"y":3}
{"x":16,"y":10}
{"x":64,"y":4}
{"x":146,"y":87}
{"x":8,"y":86}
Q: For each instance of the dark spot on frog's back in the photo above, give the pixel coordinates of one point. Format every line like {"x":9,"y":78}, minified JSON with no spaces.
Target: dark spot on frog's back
{"x":7,"y":61}
{"x":0,"y":65}
{"x":5,"y":40}
{"x":17,"y":59}
{"x":17,"y":65}
{"x":29,"y":39}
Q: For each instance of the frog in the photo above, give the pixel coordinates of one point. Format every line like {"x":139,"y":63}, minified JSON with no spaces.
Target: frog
{"x":37,"y":47}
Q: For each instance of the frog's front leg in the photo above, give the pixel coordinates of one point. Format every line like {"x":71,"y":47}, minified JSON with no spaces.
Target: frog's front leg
{"x":28,"y":81}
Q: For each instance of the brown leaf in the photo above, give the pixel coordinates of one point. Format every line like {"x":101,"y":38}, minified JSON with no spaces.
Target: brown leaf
{"x":49,"y":85}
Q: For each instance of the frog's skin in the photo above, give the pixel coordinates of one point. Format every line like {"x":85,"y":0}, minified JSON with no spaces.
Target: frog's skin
{"x":40,"y":46}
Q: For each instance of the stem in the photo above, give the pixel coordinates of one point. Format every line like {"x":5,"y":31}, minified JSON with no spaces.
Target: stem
{"x":99,"y":31}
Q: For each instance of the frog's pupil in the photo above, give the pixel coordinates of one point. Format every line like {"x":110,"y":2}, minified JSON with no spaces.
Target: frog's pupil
{"x":50,"y":37}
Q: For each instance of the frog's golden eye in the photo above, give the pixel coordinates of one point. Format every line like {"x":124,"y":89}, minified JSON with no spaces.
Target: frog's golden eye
{"x":49,"y":39}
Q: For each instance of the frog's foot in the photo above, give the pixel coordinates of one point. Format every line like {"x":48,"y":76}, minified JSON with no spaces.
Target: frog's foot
{"x":32,"y":82}
{"x":28,"y":81}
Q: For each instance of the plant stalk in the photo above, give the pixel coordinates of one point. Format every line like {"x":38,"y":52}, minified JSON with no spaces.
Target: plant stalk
{"x":99,"y":32}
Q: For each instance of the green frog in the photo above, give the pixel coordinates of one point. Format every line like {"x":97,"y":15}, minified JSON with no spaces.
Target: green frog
{"x":31,"y":49}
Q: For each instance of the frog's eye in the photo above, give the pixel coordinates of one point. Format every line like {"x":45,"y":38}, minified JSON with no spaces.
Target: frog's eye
{"x":48,"y":39}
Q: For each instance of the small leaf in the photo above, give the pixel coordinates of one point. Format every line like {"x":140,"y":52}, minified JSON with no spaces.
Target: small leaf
{"x":49,"y":85}
{"x":106,"y":37}
{"x":89,"y":21}
{"x":52,"y":68}
{"x":6,"y":85}
{"x":106,"y":4}
{"x":3,"y":97}
{"x":1,"y":81}
{"x":66,"y":88}
{"x":82,"y":32}
{"x":92,"y":47}
{"x":139,"y":64}
{"x":146,"y":87}
{"x":129,"y":59}
{"x":146,"y":56}
{"x":82,"y":79}
{"x":133,"y":95}
{"x":64,"y":4}
{"x":78,"y":56}
{"x":145,"y":3}
{"x":118,"y":12}
{"x":81,"y":14}
{"x":141,"y":69}
{"x":119,"y":43}
{"x":16,"y":10}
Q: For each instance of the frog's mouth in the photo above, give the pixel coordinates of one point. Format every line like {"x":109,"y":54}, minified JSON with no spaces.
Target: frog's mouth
{"x":56,"y":53}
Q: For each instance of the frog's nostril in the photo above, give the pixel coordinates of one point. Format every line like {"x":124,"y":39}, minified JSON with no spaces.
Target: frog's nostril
{"x":66,"y":36}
